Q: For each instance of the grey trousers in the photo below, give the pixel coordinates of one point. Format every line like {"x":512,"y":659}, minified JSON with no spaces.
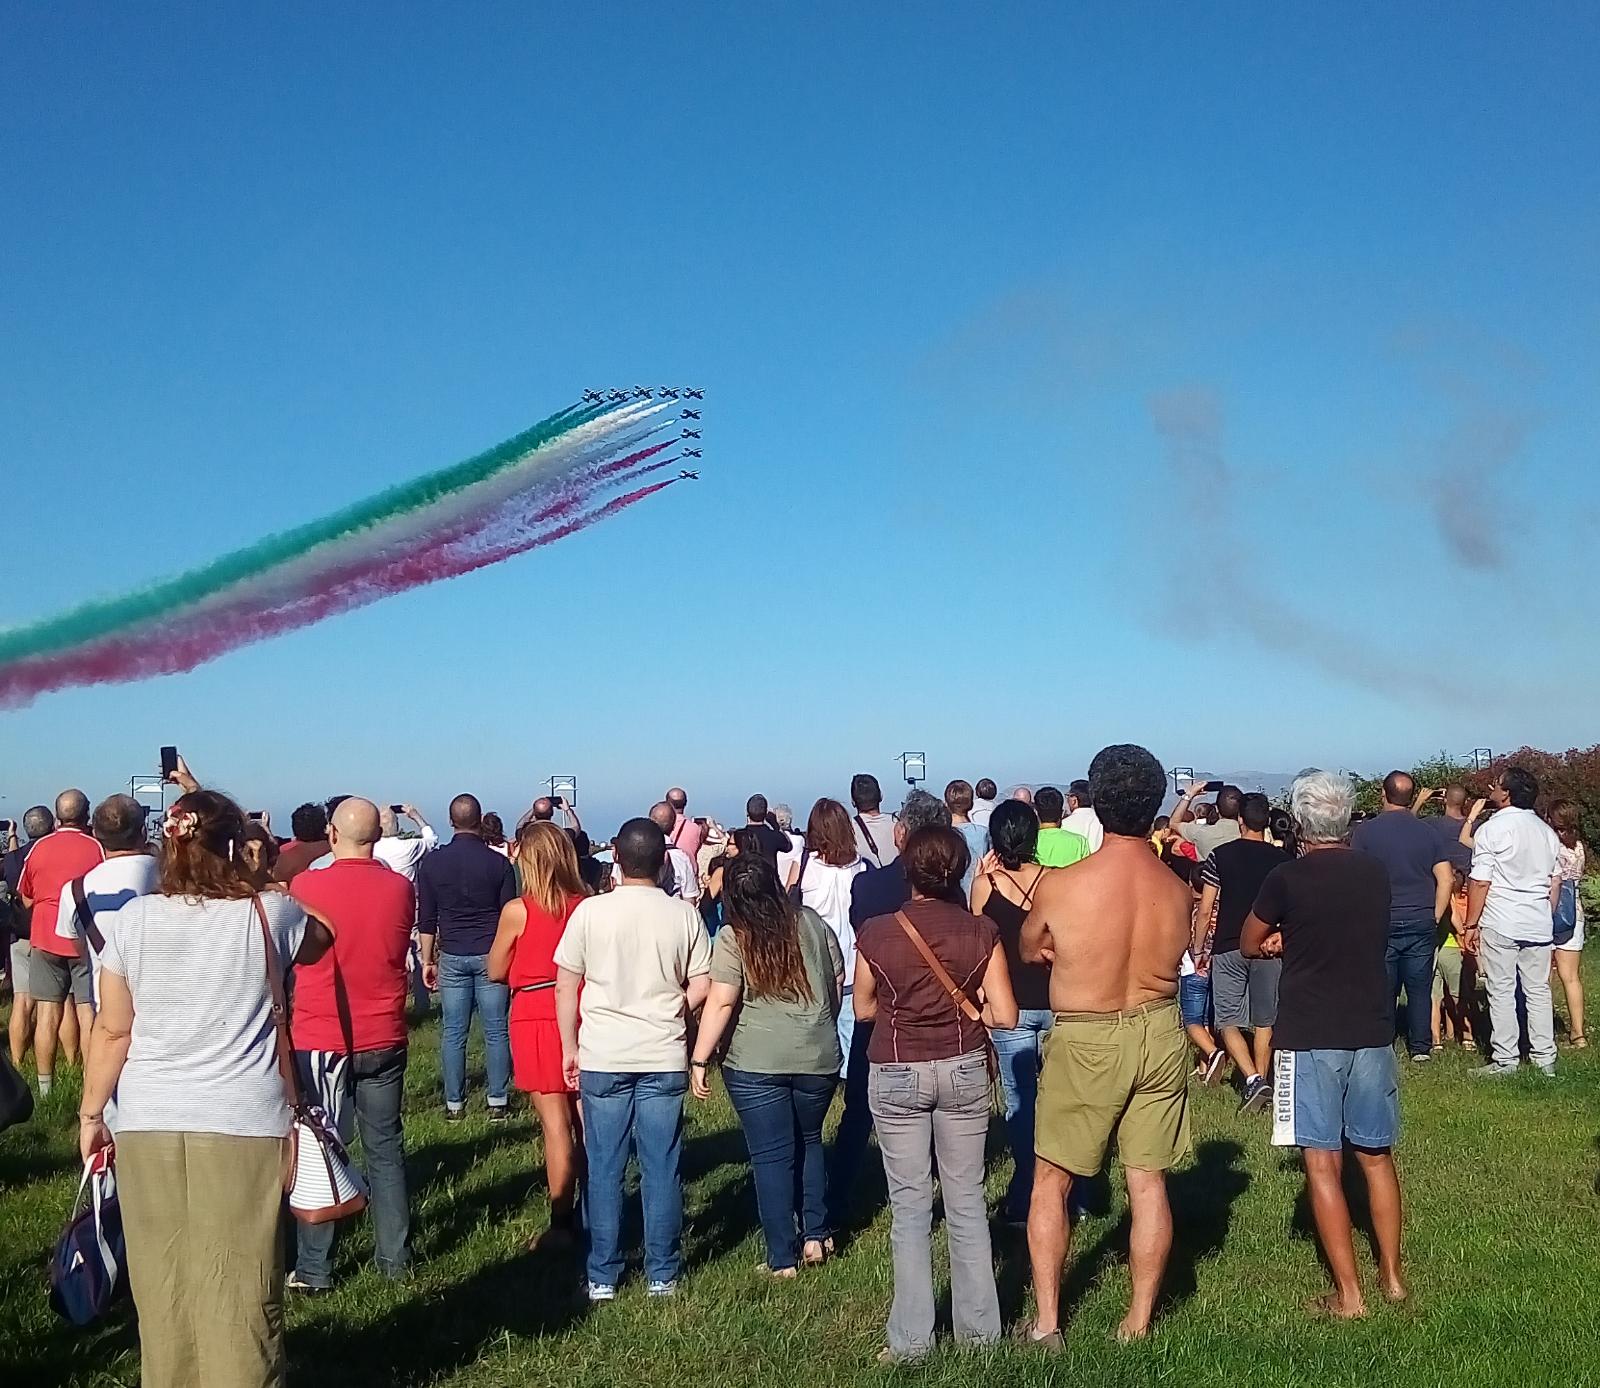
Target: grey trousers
{"x":919,"y":1109}
{"x":1503,"y":963}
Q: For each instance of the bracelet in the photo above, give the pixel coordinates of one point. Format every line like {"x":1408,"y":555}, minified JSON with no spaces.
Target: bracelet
{"x":699,"y":1064}
{"x":91,"y":1117}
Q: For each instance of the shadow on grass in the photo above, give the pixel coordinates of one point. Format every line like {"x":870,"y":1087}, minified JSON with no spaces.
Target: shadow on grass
{"x":430,"y":1337}
{"x":1202,"y":1196}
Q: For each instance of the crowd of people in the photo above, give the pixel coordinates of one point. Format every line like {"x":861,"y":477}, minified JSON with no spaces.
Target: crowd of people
{"x":1074,"y":952}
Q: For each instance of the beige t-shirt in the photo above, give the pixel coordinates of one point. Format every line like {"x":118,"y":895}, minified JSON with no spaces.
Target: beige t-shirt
{"x":636,"y":948}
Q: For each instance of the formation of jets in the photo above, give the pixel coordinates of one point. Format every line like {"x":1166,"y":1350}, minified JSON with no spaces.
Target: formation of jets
{"x":600,"y":397}
{"x":616,"y":396}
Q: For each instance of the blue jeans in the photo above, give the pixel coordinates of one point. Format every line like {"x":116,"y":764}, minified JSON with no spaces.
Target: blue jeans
{"x":464,"y":985}
{"x":782,"y":1120}
{"x":1018,"y":1049}
{"x":847,"y":1029}
{"x":648,"y":1109}
{"x":855,"y":1128}
{"x":361,"y":1091}
{"x":1410,"y":960}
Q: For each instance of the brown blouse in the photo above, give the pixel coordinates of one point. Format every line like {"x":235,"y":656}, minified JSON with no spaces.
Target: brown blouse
{"x":917,"y":1019}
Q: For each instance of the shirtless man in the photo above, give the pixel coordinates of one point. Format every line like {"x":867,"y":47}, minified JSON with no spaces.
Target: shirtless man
{"x":1113,"y":929}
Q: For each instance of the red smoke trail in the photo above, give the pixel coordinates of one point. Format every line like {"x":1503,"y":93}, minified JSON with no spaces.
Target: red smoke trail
{"x":204,"y":636}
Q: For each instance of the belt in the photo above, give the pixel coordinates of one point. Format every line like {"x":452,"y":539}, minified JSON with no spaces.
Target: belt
{"x":1128,"y":1014}
{"x":534,"y":987}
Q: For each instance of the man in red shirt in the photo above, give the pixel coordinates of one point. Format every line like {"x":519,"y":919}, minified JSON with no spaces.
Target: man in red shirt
{"x":55,"y":967}
{"x":349,"y":1029}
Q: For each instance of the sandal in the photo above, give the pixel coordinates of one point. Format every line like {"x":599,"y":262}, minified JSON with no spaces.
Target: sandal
{"x":1580,"y":1043}
{"x":815,"y":1252}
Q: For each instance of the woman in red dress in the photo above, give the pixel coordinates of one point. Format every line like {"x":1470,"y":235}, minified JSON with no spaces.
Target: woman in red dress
{"x":530,"y":928}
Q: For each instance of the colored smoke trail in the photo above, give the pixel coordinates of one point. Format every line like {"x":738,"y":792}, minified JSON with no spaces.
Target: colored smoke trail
{"x":528,"y":492}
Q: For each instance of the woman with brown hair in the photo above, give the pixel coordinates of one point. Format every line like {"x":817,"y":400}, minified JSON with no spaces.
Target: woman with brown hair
{"x":778,"y":966}
{"x":821,"y":877}
{"x":258,"y":853}
{"x":522,"y":955}
{"x":1565,"y":819}
{"x":933,"y":977}
{"x":185,"y":1038}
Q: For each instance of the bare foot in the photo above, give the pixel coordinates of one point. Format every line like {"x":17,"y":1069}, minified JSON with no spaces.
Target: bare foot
{"x":1131,"y":1330}
{"x":1336,"y":1307}
{"x":1395,"y":1291}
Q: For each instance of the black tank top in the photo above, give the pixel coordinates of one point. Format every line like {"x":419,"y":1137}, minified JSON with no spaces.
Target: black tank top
{"x":1030,"y":982}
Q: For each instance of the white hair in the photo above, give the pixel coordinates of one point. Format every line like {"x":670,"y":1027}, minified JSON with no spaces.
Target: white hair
{"x":784,"y":815}
{"x":1321,"y":803}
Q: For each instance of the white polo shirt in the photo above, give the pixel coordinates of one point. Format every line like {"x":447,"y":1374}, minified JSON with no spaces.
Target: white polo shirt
{"x":1515,"y":853}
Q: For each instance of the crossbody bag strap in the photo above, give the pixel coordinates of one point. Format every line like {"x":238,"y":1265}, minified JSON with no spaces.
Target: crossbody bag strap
{"x":872,"y":843}
{"x":957,"y":993}
{"x":88,"y":931}
{"x":280,"y":1011}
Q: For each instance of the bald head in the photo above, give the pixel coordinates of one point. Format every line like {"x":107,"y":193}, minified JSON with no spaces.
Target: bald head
{"x":354,"y":828}
{"x":544,"y":808}
{"x":1398,"y":790}
{"x":678,"y":798}
{"x":72,"y":807}
{"x":663,"y":816}
{"x":466,"y":814}
{"x":1023,"y":794}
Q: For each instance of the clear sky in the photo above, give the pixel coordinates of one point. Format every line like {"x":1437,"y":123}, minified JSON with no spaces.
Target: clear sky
{"x":1221,"y":377}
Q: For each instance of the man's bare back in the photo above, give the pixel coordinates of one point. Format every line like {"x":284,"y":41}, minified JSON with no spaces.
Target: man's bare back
{"x":1113,"y":928}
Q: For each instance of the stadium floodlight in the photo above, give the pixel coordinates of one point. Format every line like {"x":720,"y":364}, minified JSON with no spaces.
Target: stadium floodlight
{"x":565,"y":787}
{"x":1481,"y":758}
{"x":1181,"y":776}
{"x":149,"y":791}
{"x":914,"y":767}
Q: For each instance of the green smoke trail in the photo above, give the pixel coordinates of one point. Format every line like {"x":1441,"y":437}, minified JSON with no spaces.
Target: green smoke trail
{"x":104,"y":617}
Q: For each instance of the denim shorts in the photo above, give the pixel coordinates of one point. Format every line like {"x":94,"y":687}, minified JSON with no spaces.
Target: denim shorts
{"x":1194,"y":1000}
{"x":1323,"y":1099}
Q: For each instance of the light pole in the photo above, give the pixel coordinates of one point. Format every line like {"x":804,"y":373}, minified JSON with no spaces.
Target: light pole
{"x":1185,"y":772}
{"x":1481,"y":758}
{"x":914,"y":767}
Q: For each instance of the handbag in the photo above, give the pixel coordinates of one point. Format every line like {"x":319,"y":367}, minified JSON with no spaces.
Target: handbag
{"x":958,"y":995}
{"x":1564,"y":919}
{"x":16,"y":1099}
{"x":322,"y":1183}
{"x":794,"y":890}
{"x":88,"y":1267}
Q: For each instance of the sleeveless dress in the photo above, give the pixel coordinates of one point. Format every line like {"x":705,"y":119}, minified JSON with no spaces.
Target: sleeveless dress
{"x":535,"y":1037}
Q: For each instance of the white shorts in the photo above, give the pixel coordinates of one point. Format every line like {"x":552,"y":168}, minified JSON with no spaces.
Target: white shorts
{"x":1576,"y":942}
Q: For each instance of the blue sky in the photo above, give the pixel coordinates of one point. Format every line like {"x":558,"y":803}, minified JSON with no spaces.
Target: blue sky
{"x":1218,"y":377}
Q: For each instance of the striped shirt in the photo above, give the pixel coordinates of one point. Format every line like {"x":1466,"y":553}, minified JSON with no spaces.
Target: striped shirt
{"x":203,"y":1058}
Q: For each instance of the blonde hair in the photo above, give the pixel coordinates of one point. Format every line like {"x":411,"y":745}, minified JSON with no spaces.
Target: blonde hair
{"x":548,"y":864}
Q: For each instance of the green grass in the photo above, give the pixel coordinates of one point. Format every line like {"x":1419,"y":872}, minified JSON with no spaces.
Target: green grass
{"x":1502,"y":1252}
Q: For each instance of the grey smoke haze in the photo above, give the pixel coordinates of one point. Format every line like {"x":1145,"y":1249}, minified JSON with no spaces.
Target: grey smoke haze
{"x":1462,"y":492}
{"x":1191,"y":424}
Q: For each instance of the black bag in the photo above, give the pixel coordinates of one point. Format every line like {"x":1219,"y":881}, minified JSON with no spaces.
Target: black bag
{"x":794,"y":892}
{"x":16,"y":1099}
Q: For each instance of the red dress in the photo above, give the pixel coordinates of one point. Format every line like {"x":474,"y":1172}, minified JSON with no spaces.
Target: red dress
{"x":535,"y":1037}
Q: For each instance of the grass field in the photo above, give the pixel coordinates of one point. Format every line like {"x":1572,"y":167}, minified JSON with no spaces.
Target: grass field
{"x":1503,"y":1253}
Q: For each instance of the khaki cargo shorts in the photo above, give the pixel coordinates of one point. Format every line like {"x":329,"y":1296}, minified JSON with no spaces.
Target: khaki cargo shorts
{"x":1115,"y":1074}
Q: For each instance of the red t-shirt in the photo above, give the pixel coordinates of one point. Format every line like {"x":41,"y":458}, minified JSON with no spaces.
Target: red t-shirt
{"x":354,"y":997}
{"x":54,"y":861}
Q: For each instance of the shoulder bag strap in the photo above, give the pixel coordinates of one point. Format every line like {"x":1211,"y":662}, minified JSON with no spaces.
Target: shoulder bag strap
{"x":872,"y":843}
{"x":280,"y":1011}
{"x":957,"y":994}
{"x":88,"y":931}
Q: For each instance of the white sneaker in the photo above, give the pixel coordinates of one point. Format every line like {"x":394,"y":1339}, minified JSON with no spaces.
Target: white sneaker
{"x":600,"y":1291}
{"x":663,"y":1289}
{"x":1492,"y":1072}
